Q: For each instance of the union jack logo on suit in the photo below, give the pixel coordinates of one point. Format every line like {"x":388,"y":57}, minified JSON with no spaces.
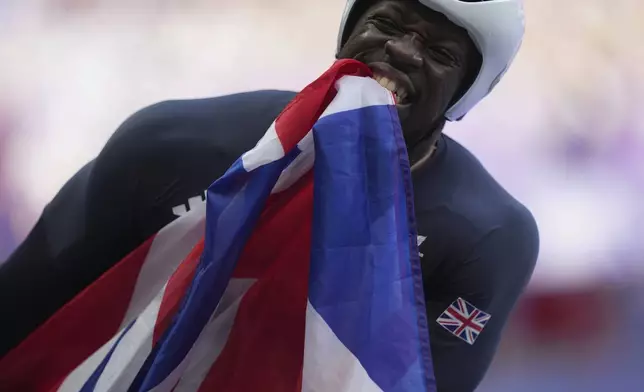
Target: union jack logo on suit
{"x":464,"y":320}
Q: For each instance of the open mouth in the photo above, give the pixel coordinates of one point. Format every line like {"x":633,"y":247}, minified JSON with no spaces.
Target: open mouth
{"x":399,"y":92}
{"x":395,"y":81}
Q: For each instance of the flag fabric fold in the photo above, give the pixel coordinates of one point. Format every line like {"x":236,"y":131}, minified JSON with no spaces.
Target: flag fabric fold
{"x":299,"y":273}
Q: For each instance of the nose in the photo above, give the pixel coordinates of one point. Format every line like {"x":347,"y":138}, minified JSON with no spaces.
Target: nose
{"x":405,"y":51}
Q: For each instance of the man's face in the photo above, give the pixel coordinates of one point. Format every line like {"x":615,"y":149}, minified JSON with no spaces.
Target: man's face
{"x":418,"y":54}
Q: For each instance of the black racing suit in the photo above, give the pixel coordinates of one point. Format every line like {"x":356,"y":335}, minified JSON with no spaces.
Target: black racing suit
{"x":477,"y":242}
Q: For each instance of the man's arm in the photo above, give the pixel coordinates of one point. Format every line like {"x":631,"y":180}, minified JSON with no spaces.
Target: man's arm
{"x":491,"y":278}
{"x":159,"y":160}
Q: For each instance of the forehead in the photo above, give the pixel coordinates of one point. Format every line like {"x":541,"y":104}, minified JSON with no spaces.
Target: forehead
{"x":413,"y":13}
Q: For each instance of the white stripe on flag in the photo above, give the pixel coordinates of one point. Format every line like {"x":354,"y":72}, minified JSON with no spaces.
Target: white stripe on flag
{"x":328,"y":365}
{"x":268,"y":149}
{"x":77,"y":378}
{"x":355,"y":92}
{"x":300,"y":165}
{"x":169,"y":248}
{"x":126,"y":360}
{"x":131,"y":352}
{"x":193,"y":369}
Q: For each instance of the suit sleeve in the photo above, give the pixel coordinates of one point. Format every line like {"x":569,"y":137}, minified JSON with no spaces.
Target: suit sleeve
{"x":159,"y":161}
{"x":491,"y":276}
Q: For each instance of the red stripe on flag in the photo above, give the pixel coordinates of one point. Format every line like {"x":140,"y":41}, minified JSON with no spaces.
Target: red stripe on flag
{"x":175,"y":289}
{"x":43,"y":360}
{"x":265,"y":348}
{"x":297,"y":119}
{"x":256,"y":256}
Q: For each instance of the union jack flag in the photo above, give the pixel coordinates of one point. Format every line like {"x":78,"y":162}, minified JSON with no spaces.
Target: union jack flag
{"x":464,"y":320}
{"x":266,"y":285}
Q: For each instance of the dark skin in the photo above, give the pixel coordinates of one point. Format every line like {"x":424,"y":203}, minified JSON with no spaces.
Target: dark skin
{"x":420,"y":49}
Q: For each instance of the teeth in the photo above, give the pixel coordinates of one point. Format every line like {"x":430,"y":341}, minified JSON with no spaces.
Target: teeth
{"x":390,"y":85}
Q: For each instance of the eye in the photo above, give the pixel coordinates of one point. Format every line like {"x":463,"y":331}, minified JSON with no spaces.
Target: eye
{"x":445,"y":56}
{"x":386,"y":26}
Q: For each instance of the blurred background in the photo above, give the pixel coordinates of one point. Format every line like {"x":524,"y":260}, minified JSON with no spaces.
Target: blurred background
{"x":564,"y":132}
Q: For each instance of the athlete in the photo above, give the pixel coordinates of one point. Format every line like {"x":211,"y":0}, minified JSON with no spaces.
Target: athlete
{"x":440,"y":57}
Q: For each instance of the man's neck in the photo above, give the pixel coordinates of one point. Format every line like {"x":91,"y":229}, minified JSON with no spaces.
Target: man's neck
{"x":421,"y":153}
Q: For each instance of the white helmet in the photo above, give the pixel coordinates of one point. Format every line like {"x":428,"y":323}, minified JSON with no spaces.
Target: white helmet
{"x":495,"y":26}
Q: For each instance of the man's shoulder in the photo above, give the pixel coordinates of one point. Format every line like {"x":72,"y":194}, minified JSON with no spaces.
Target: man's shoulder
{"x":469,"y":222}
{"x":167,"y":154}
{"x":469,"y":201}
{"x":239,"y":118}
{"x":206,"y":108}
{"x":498,"y":235}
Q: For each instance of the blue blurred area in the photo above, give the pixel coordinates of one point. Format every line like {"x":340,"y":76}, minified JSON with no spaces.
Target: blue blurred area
{"x":596,"y":355}
{"x":564,"y":132}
